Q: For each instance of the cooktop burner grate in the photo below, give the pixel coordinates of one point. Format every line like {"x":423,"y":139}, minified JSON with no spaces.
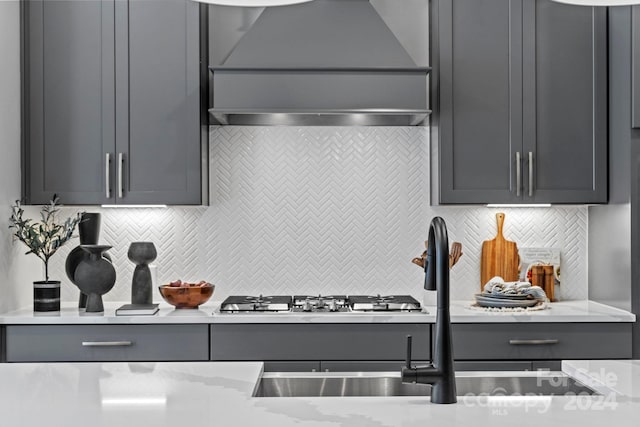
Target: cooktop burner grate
{"x":320,"y":303}
{"x":383,"y":303}
{"x":270,"y":303}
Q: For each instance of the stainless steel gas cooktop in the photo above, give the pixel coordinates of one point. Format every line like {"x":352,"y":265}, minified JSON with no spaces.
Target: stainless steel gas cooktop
{"x":320,"y":304}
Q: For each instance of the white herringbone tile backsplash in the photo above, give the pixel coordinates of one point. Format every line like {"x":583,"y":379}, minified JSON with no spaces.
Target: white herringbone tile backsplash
{"x":298,"y":210}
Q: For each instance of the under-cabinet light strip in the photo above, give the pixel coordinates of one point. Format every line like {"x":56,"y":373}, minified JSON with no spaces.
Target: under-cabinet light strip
{"x":599,"y":2}
{"x":253,"y":3}
{"x":134,"y":401}
{"x":521,"y":205}
{"x":134,"y":206}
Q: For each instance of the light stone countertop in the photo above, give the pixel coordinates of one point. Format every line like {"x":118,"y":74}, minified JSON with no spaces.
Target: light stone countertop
{"x":567,"y":311}
{"x":621,"y":377}
{"x":212,"y":394}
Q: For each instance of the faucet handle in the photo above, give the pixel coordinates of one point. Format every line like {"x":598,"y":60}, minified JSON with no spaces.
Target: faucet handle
{"x":408,"y":357}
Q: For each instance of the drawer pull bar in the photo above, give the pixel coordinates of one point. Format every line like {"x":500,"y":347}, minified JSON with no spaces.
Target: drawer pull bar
{"x":533,"y":342}
{"x":530,"y":173}
{"x":106,"y":343}
{"x":120,"y":178}
{"x":518,"y":174}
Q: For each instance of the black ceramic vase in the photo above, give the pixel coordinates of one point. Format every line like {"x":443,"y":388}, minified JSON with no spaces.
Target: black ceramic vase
{"x":142,"y":253}
{"x":89,"y":230}
{"x":95,"y":276}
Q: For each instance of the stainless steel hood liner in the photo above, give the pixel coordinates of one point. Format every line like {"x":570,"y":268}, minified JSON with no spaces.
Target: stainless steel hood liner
{"x":328,"y":62}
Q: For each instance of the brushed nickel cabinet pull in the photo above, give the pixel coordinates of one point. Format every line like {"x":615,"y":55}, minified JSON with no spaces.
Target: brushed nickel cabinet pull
{"x":107,"y":175}
{"x":106,"y":343}
{"x":518,"y":174}
{"x":120,"y":181}
{"x":533,"y":342}
{"x":530,"y":174}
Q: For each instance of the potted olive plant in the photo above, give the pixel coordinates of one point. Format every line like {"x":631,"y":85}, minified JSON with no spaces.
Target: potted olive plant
{"x":43,"y":239}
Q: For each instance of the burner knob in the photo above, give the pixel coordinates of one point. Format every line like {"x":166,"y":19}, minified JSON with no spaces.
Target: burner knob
{"x":306,"y":306}
{"x":333,"y":306}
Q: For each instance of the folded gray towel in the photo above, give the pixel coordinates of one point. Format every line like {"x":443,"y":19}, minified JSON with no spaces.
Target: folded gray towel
{"x":497,"y":286}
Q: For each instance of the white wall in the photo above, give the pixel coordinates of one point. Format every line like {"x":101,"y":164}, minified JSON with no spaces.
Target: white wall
{"x":15,"y":288}
{"x":309,"y":210}
{"x":610,"y":254}
{"x":293,"y":211}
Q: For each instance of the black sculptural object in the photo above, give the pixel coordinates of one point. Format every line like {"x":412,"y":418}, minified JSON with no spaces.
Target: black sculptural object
{"x":89,"y":231}
{"x":142,"y":253}
{"x":95,"y":276}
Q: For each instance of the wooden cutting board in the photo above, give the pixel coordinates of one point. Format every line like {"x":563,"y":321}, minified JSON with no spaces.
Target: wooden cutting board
{"x":499,"y":257}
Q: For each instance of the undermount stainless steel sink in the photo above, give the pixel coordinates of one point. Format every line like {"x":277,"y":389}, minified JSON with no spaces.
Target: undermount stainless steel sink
{"x":363,"y":384}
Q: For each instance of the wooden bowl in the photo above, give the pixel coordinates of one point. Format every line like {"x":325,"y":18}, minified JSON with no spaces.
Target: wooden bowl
{"x":186,"y":296}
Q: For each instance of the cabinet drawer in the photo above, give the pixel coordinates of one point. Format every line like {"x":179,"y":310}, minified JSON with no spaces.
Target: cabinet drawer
{"x":85,"y":343}
{"x":318,"y":341}
{"x":292,"y":366}
{"x":2,"y":346}
{"x":541,"y":341}
{"x":367,"y":366}
{"x":492,"y":365}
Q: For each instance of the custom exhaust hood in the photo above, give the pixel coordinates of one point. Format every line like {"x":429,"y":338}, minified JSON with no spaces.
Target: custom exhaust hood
{"x":327,"y":62}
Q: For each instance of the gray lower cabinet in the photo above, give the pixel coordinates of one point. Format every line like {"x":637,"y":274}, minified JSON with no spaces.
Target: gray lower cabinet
{"x":494,"y":365}
{"x":519,"y":98}
{"x":98,"y":343}
{"x":292,"y":366}
{"x":319,"y":342}
{"x":3,"y":357}
{"x":112,"y":101}
{"x":320,"y":347}
{"x":366,"y":366}
{"x":541,"y":341}
{"x":371,"y":347}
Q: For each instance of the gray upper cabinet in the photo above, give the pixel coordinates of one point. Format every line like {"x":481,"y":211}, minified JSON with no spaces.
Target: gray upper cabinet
{"x":635,"y":65}
{"x":565,"y":103}
{"x":158,"y":101}
{"x":476,"y":53}
{"x":519,"y":96}
{"x":113,"y":99}
{"x":69,"y":99}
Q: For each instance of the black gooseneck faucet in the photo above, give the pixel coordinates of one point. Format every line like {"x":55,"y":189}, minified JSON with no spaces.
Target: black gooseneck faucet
{"x":440,"y":373}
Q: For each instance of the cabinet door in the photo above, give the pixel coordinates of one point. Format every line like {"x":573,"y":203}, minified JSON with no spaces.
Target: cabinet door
{"x":292,"y":366}
{"x":158,"y":101}
{"x":635,"y":67}
{"x":565,"y":103}
{"x":493,"y":365}
{"x":69,"y":92}
{"x":476,"y":57}
{"x":3,"y":352}
{"x":318,"y":341}
{"x":106,"y":343}
{"x":367,"y":366}
{"x":541,"y":341}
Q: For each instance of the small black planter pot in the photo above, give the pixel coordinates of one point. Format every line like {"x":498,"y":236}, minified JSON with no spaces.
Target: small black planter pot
{"x":46,"y":296}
